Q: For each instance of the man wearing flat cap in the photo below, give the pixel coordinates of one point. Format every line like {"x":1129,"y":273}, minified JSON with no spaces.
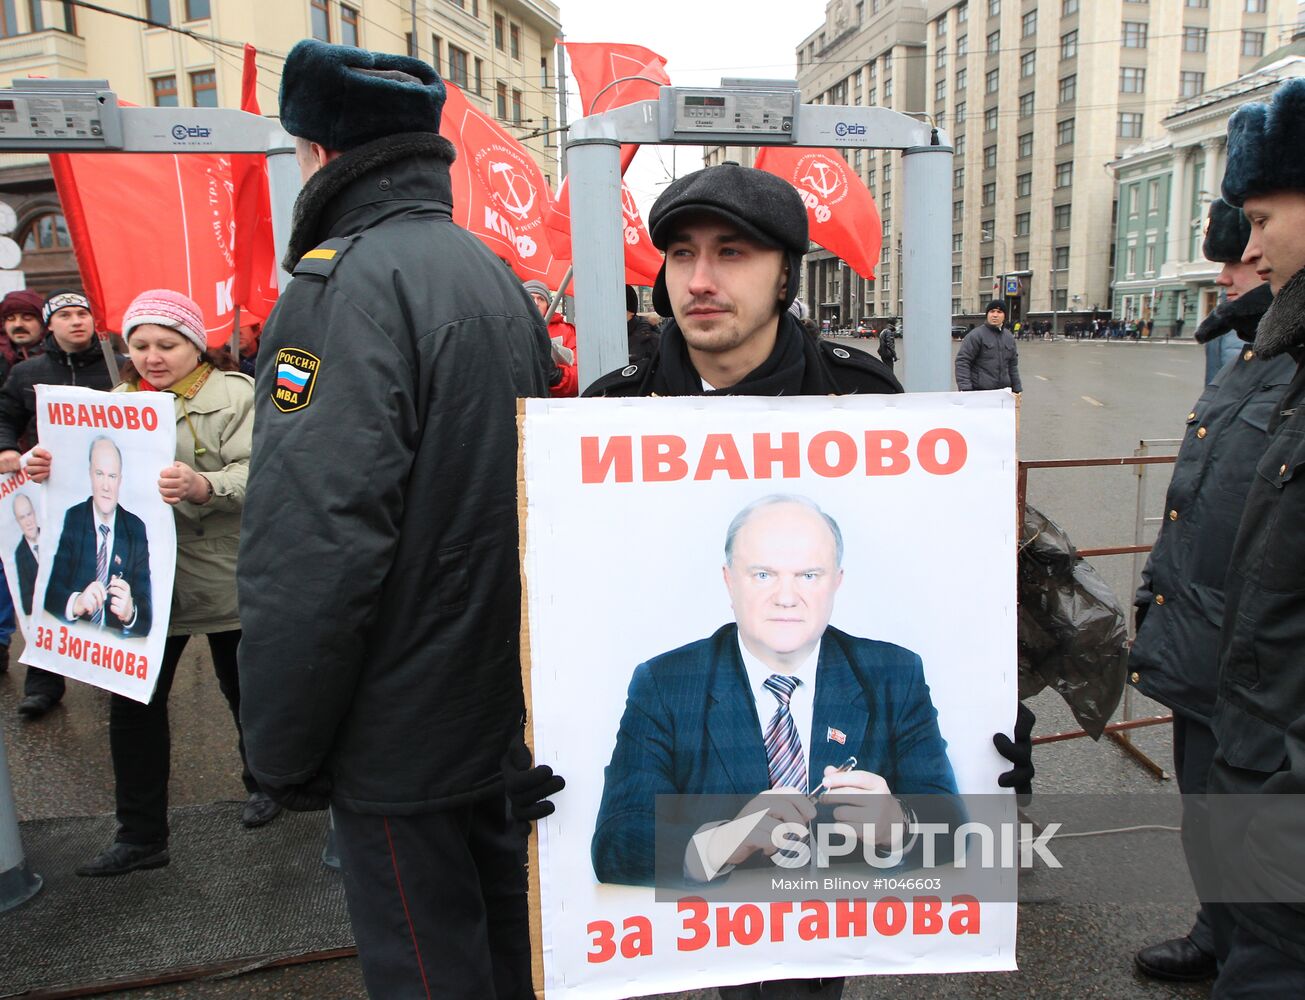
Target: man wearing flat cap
{"x":1174,"y":658}
{"x":378,"y":579}
{"x":1257,"y":840}
{"x":71,"y":356}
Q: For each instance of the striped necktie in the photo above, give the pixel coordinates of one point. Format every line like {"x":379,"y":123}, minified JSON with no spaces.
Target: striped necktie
{"x":784,"y":757}
{"x":102,"y":569}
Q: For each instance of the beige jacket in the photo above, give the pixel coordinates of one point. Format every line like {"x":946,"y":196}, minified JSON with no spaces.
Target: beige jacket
{"x":208,"y":536}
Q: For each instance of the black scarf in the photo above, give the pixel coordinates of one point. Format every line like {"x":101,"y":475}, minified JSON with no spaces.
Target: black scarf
{"x":330,"y":180}
{"x":794,"y":367}
{"x":1283,"y":327}
{"x":1241,"y":315}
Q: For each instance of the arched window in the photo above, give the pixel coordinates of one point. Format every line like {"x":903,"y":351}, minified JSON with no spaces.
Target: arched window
{"x":45,"y":233}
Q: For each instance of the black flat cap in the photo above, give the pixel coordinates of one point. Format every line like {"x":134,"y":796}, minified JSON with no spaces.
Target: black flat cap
{"x":765,"y":208}
{"x":342,"y":97}
{"x":1226,"y":233}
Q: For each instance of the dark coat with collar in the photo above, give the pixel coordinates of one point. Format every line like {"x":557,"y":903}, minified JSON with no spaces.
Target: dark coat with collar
{"x":26,"y":564}
{"x":54,"y":366}
{"x":74,"y":565}
{"x":378,"y":576}
{"x":1259,"y":713}
{"x":1175,"y":654}
{"x":691,"y":728}
{"x":988,"y":359}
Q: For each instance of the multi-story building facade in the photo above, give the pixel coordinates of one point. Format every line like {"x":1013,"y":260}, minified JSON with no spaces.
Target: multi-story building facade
{"x":187,"y":53}
{"x":1165,"y":186}
{"x":1038,"y":95}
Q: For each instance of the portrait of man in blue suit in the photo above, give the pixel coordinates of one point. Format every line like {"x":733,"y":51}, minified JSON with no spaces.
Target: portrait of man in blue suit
{"x":25,"y":553}
{"x":101,"y":571}
{"x":771,"y":703}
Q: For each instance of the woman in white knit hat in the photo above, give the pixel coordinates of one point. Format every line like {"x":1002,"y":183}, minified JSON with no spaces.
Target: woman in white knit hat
{"x":169,"y":352}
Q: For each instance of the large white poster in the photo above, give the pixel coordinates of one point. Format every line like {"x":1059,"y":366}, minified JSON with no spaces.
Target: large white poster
{"x":103,"y":592}
{"x":679,"y":552}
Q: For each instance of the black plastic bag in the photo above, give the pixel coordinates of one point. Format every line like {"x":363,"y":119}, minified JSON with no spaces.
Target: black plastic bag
{"x":1073,"y":635}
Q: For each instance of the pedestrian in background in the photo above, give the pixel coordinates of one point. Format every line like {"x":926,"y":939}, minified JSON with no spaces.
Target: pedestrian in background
{"x":205,"y":486}
{"x":988,"y":357}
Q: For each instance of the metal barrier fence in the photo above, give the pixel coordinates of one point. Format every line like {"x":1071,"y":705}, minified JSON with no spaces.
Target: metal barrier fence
{"x":1140,"y":460}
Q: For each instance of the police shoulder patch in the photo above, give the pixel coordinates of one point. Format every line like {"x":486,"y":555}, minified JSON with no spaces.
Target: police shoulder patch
{"x":322,"y":259}
{"x":296,"y":374}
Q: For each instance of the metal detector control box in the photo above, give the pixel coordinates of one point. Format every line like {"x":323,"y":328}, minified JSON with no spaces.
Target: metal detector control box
{"x":76,"y":114}
{"x":728,"y":114}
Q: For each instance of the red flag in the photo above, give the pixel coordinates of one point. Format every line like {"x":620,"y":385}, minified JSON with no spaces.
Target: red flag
{"x":255,"y":249}
{"x":841,"y":211}
{"x":597,"y":65}
{"x":642,"y":259}
{"x":499,"y":193}
{"x":177,"y":230}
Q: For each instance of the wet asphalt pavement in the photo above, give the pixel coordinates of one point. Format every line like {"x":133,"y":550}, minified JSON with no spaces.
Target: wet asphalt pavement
{"x":1088,"y":399}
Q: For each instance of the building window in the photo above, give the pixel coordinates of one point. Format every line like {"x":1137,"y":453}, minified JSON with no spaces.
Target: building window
{"x":962,"y":46}
{"x":159,"y":11}
{"x":994,"y":8}
{"x":962,"y":13}
{"x":994,"y":43}
{"x":958,"y":145}
{"x":958,"y":211}
{"x":886,"y":200}
{"x":873,"y":96}
{"x":1022,"y":261}
{"x":436,"y":49}
{"x":1194,"y":39}
{"x":1252,"y":43}
{"x":1023,"y":185}
{"x":1130,"y":125}
{"x":1134,"y":34}
{"x":961,"y":78}
{"x":543,"y":72}
{"x":990,"y":193}
{"x":500,"y":100}
{"x":991,"y":80}
{"x":1153,"y":195}
{"x":1069,"y":45}
{"x":1150,"y":258}
{"x":514,"y":40}
{"x":958,"y":177}
{"x":1026,"y":104}
{"x":1200,"y":4}
{"x":1190,"y":83}
{"x":940,"y":89}
{"x":1060,"y":217}
{"x":165,"y":91}
{"x":1130,"y":266}
{"x":349,"y":25}
{"x":319,"y":17}
{"x":516,"y":107}
{"x":940,"y":27}
{"x":203,"y":88}
{"x":888,"y":88}
{"x":1026,"y":145}
{"x":480,"y":76}
{"x":458,"y":67}
{"x":1132,"y":80}
{"x":1060,"y":255}
{"x":985,"y":267}
{"x":958,"y":242}
{"x":44,"y":233}
{"x":1022,"y":224}
{"x":1064,"y":174}
{"x":989,"y":156}
{"x":1065,"y":131}
{"x":959,"y":113}
{"x":500,"y":32}
{"x":198,"y":10}
{"x":1029,"y":24}
{"x":1131,"y":200}
{"x":990,"y":120}
{"x":1068,"y":7}
{"x":1257,"y":6}
{"x":548,"y":131}
{"x":956,"y":274}
{"x":1028,"y":63}
{"x":940,"y":59}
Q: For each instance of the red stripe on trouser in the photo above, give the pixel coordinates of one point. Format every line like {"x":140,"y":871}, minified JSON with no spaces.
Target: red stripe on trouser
{"x":412,"y":931}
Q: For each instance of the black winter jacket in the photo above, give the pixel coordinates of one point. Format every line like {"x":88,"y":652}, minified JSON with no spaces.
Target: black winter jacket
{"x":799,"y":365}
{"x":378,"y":576}
{"x":1175,"y":655}
{"x":53,"y":367}
{"x":988,"y":359}
{"x":1259,"y":716}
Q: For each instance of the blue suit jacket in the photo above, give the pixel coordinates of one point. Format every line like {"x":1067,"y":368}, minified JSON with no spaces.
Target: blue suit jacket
{"x":74,"y":564}
{"x":690,"y":727}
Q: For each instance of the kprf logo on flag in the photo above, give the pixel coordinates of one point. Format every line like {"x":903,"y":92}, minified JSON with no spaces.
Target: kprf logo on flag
{"x":296,"y":373}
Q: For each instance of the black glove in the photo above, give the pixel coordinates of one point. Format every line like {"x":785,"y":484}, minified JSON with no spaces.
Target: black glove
{"x":312,"y":795}
{"x":1019,"y":752}
{"x":528,"y":788}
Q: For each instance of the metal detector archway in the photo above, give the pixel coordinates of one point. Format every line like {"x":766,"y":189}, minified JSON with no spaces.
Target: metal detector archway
{"x":759,"y":113}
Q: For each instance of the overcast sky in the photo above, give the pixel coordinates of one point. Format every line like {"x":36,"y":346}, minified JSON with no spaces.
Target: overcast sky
{"x":702,"y":41}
